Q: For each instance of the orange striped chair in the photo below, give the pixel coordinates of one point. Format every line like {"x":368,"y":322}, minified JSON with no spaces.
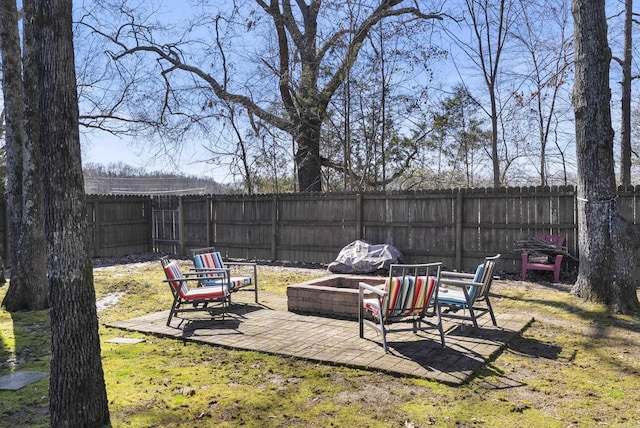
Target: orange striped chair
{"x":214,"y":299}
{"x":208,"y":259}
{"x":410,"y":294}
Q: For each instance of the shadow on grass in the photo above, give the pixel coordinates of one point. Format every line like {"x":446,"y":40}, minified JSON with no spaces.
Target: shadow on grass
{"x":468,"y":351}
{"x":4,"y":352}
{"x":32,"y":336}
{"x":601,"y":315}
{"x":534,"y":348}
{"x":197,"y":328}
{"x":27,"y":350}
{"x":598,"y":331}
{"x":491,"y":377}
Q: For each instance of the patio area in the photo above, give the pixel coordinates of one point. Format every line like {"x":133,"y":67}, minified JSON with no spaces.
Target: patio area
{"x":270,"y":328}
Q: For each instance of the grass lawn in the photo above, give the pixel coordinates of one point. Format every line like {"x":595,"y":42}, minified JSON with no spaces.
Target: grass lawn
{"x":577,"y":365}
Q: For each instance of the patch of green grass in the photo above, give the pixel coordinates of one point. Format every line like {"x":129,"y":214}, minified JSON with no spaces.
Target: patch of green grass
{"x":577,"y":365}
{"x":278,"y":280}
{"x":24,"y":345}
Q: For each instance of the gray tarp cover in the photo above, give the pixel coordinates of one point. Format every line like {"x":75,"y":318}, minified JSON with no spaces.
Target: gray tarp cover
{"x":363,"y":257}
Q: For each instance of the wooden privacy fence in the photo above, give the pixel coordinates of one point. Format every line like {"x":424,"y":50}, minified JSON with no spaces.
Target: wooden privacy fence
{"x":119,"y":225}
{"x":458,"y":227}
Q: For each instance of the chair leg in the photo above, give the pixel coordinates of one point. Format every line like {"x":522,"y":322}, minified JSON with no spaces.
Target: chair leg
{"x":173,"y":310}
{"x":360,"y":315}
{"x":255,"y":282}
{"x":383,"y":333}
{"x":493,"y":318}
{"x":525,"y":259}
{"x":472,"y":314}
{"x":440,"y":329}
{"x":170,"y":316}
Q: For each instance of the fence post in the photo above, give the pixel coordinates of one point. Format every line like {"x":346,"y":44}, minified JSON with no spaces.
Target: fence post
{"x":95,"y":206}
{"x":358,"y":216}
{"x":181,"y":225}
{"x":148,"y":207}
{"x":458,"y":222}
{"x":274,"y":228}
{"x":209,"y":212}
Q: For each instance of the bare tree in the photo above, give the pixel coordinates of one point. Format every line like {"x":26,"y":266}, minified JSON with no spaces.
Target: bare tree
{"x":77,"y":393}
{"x":490,"y":24}
{"x":625,"y":120}
{"x":543,"y":33}
{"x":608,"y":243}
{"x":460,"y":138}
{"x":374,"y":114}
{"x":312,"y":62}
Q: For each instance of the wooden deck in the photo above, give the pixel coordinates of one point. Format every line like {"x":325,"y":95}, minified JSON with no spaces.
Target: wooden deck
{"x":270,"y":328}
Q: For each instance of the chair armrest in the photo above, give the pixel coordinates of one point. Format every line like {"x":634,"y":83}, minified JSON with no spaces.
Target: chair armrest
{"x":458,"y":283}
{"x":363,"y":286}
{"x":450,"y":274}
{"x":247,"y":264}
{"x":182,"y":279}
{"x":196,"y":270}
{"x":203,"y":271}
{"x":240,"y":264}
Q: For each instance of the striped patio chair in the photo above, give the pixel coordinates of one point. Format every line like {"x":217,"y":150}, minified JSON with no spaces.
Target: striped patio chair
{"x":410,"y":294}
{"x":469,"y":290}
{"x":208,"y":259}
{"x":214,"y":299}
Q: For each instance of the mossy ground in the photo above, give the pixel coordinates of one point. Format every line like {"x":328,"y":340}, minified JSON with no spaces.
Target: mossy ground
{"x":577,"y":365}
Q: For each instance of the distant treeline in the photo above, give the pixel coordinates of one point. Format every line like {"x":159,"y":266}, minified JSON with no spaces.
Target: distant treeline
{"x":123,"y":179}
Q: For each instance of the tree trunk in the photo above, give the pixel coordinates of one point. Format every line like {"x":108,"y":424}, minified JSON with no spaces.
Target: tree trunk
{"x":307,"y":157}
{"x":33,"y":248}
{"x":28,"y":289}
{"x":14,"y":136}
{"x":77,"y":393}
{"x":495,"y":161}
{"x":607,"y":243}
{"x":625,"y":134}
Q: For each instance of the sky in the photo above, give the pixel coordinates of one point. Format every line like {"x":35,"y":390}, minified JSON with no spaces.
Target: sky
{"x":104,"y":148}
